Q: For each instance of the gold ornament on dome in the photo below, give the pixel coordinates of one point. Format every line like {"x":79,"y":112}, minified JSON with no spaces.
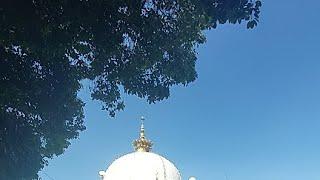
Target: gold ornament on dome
{"x":142,"y":144}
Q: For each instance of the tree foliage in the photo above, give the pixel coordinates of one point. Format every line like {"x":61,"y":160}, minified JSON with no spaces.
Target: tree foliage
{"x":48,"y":46}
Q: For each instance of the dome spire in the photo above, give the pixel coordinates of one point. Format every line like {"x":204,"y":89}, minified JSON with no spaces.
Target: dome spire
{"x":142,"y":144}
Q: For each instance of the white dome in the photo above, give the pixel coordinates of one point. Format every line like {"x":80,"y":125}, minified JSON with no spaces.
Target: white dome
{"x":141,"y":166}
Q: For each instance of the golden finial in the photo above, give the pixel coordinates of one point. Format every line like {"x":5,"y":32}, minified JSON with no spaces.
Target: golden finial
{"x":142,"y":127}
{"x":142,"y":144}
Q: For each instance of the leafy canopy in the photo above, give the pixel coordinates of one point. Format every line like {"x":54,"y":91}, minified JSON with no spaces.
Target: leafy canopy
{"x":48,"y":46}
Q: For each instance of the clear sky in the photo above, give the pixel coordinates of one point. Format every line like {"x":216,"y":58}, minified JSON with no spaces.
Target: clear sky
{"x":252,"y":114}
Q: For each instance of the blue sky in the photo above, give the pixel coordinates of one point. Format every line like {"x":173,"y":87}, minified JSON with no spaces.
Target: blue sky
{"x":252,"y":114}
